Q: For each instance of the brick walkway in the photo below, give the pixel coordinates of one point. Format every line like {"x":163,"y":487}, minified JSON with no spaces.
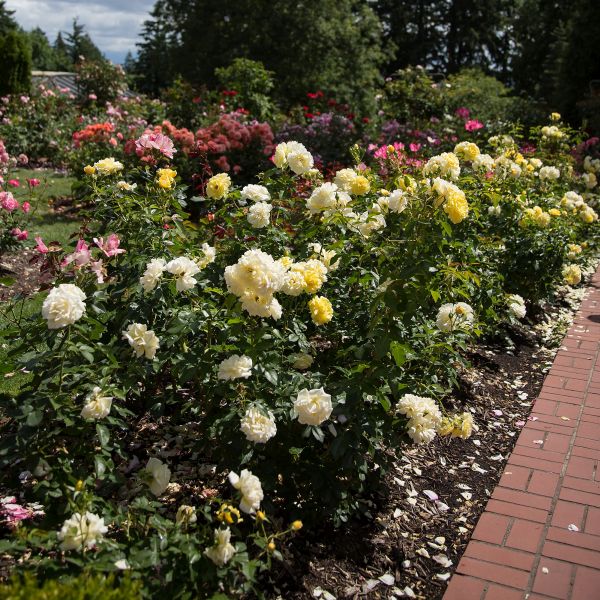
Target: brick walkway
{"x":525,"y":545}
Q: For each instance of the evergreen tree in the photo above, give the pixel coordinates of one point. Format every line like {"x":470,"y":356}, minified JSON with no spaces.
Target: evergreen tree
{"x":42,"y":54}
{"x":80,"y":45}
{"x":62,"y":54}
{"x":15,"y":66}
{"x":7,"y":23}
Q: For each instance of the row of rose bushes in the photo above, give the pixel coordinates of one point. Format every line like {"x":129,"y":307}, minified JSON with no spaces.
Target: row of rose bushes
{"x":294,"y":333}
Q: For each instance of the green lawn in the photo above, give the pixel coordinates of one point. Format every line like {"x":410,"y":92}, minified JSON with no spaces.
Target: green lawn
{"x":51,"y":227}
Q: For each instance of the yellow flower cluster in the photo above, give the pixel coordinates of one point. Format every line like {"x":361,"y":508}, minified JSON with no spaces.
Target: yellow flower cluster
{"x":229,"y":514}
{"x":166,"y":178}
{"x":572,"y":274}
{"x":306,"y":276}
{"x":535,"y":216}
{"x":360,"y":185}
{"x":467,"y":151}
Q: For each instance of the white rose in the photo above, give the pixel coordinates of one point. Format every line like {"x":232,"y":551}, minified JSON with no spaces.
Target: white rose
{"x":454,"y":316}
{"x":259,"y":215}
{"x":549,"y":173}
{"x":160,"y":476}
{"x":235,"y":367}
{"x":210,"y":254}
{"x":322,"y":198}
{"x":312,"y":407}
{"x":82,"y":530}
{"x":257,"y":426}
{"x":397,"y":201}
{"x":142,"y":340}
{"x":424,"y":417}
{"x":222,"y":552}
{"x":96,"y":405}
{"x":186,"y":515}
{"x":300,"y":161}
{"x":250,"y":488}
{"x":184,"y":269}
{"x":344,"y":178}
{"x":255,"y":193}
{"x":154,"y":270}
{"x":63,"y":306}
{"x":516,"y":305}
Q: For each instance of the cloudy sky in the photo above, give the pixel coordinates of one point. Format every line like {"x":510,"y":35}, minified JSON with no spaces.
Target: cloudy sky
{"x":113,"y":24}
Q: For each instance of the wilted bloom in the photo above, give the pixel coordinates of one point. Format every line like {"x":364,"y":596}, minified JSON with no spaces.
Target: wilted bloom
{"x":80,"y":257}
{"x":111,"y":246}
{"x":424,"y":417}
{"x":82,"y":530}
{"x":41,"y":247}
{"x":186,"y":515}
{"x":97,"y":406}
{"x":250,"y":488}
{"x":143,"y":341}
{"x":158,"y":475}
{"x":222,"y":551}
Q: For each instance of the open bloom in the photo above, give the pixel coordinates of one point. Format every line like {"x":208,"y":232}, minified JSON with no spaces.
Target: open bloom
{"x":184,"y":270}
{"x":312,"y":407}
{"x":235,"y":367}
{"x":516,"y":305}
{"x":63,"y":306}
{"x":454,"y":316}
{"x":96,"y":405}
{"x":250,"y":488}
{"x":255,"y":193}
{"x":321,"y":310}
{"x":159,"y":476}
{"x":82,"y":530}
{"x":572,"y":274}
{"x":218,"y":186}
{"x":108,"y":166}
{"x":259,"y":214}
{"x":257,"y":426}
{"x":111,"y":246}
{"x":8,"y":202}
{"x":143,"y":341}
{"x":222,"y":551}
{"x":154,"y":270}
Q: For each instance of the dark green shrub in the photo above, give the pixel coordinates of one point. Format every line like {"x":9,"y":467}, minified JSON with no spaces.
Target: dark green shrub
{"x":15,"y":66}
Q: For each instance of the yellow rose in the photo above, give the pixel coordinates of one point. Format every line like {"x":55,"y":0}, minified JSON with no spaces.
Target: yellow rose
{"x":166,"y":182}
{"x":446,"y":427}
{"x":463,"y":426}
{"x":321,"y":310}
{"x":456,"y":207}
{"x":218,"y":186}
{"x":572,"y":274}
{"x":555,"y":116}
{"x":360,"y":185}
{"x":89,"y":170}
{"x":554,"y":212}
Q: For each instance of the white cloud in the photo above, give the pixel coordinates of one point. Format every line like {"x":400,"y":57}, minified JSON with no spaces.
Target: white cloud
{"x":113,"y":25}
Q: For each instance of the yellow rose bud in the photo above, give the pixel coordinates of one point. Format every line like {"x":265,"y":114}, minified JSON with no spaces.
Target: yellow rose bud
{"x":390,"y":149}
{"x":79,"y":486}
{"x":555,"y":116}
{"x":89,"y":170}
{"x":260,"y":516}
{"x":297,"y":525}
{"x":271,"y":546}
{"x":554,"y":212}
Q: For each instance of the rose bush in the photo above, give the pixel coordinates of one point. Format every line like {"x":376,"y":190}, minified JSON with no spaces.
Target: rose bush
{"x":304,"y":327}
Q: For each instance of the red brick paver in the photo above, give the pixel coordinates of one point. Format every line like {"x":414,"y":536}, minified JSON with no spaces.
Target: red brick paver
{"x":539,"y":537}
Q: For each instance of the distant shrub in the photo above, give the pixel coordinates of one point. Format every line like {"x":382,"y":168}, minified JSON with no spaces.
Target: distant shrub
{"x":15,"y":66}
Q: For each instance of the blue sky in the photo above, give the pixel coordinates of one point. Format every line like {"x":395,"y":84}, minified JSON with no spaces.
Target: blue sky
{"x":114,"y":25}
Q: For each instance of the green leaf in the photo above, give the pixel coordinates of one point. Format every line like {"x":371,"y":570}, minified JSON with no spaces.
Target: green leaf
{"x":399,"y":352}
{"x":103,"y":434}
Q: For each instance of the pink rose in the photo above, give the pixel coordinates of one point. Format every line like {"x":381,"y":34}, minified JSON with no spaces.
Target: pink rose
{"x":80,"y":257}
{"x":26,"y":207}
{"x":14,"y":183}
{"x":111,"y":246}
{"x":474,"y":125}
{"x":19,"y":234}
{"x":33,"y":182}
{"x":8,"y":202}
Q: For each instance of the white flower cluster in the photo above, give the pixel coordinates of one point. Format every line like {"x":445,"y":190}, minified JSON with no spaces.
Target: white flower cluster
{"x":424,"y":417}
{"x":143,"y":340}
{"x":312,"y":407}
{"x":591,"y":165}
{"x":82,"y":530}
{"x":444,"y":165}
{"x":516,"y":305}
{"x":254,"y":279}
{"x":63,"y":306}
{"x":250,"y":488}
{"x":327,"y":199}
{"x":294,"y":155}
{"x":454,"y":316}
{"x":551,"y":132}
{"x":97,"y":406}
{"x":549,"y":174}
{"x":258,"y":427}
{"x":483,"y":162}
{"x":255,"y":193}
{"x":505,"y":167}
{"x":183,"y":268}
